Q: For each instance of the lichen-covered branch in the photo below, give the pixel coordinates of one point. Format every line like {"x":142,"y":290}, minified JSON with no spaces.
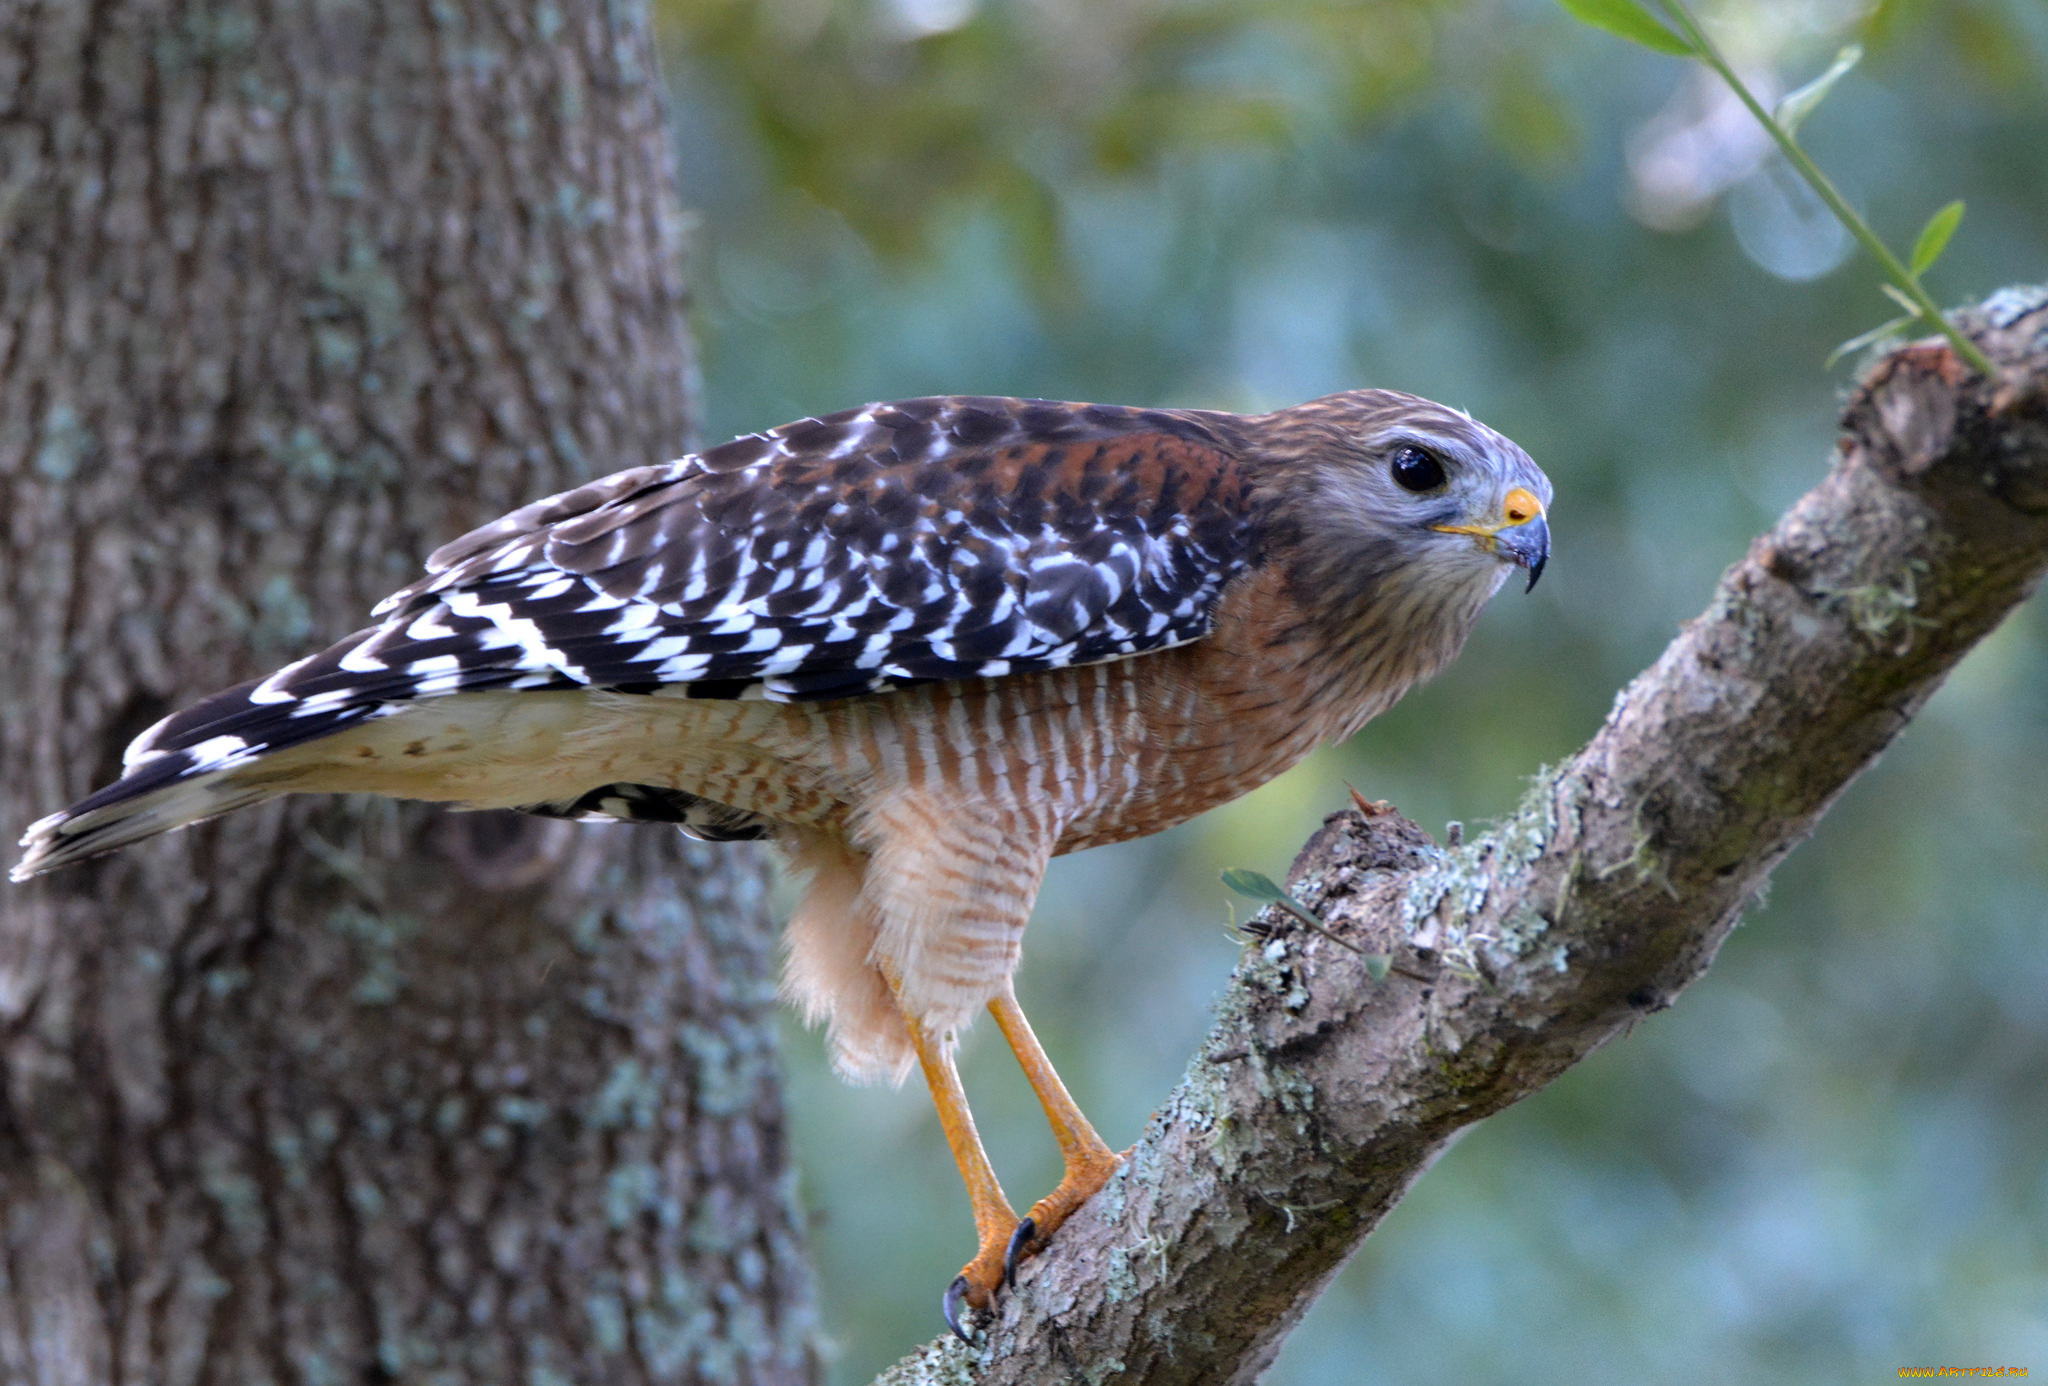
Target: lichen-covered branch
{"x":1320,"y":1096}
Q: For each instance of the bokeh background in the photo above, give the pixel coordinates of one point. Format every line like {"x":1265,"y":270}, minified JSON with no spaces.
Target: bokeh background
{"x":1830,"y":1160}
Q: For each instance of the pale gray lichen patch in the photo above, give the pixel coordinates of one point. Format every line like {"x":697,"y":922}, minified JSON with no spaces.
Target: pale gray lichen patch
{"x":1426,"y":891}
{"x":66,"y":444}
{"x":1443,"y":906}
{"x":363,"y":288}
{"x":950,"y":1362}
{"x":1109,"y":1201}
{"x":1281,"y":1084}
{"x":523,"y":1112}
{"x":1195,"y":1102}
{"x":1199,"y":1102}
{"x":729,"y":1075}
{"x":1533,"y":825}
{"x":1286,"y":982}
{"x":1262,"y":970}
{"x":1736,"y":617}
{"x":235,"y":1195}
{"x":283,"y":618}
{"x":379,"y":940}
{"x":630,"y":1190}
{"x":630,"y":1099}
{"x":1520,"y":932}
{"x":606,"y":1313}
{"x":1120,"y":1278}
{"x":1441,"y":900}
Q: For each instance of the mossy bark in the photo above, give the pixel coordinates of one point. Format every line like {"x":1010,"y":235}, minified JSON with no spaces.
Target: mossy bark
{"x":291,"y":291}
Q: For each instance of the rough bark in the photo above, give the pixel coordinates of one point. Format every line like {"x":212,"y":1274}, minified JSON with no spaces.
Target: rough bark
{"x":291,"y":291}
{"x":1321,"y":1096}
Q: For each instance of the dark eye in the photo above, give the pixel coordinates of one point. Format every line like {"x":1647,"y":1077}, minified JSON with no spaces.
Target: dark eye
{"x":1417,"y":470}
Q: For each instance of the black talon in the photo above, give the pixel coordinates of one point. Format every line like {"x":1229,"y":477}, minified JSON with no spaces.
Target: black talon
{"x":956,"y":1295}
{"x":1014,"y":1252}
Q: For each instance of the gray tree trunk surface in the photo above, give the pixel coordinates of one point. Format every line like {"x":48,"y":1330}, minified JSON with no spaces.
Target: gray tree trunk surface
{"x":290,"y":292}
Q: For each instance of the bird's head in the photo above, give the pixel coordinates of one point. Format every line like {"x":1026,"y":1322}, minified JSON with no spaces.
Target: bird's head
{"x":1392,"y":489}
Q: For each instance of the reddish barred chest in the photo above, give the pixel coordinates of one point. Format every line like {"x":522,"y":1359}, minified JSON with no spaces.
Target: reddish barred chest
{"x":1107,"y":751}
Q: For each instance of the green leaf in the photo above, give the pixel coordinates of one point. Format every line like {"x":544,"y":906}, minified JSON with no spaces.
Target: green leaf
{"x":1933,"y":238}
{"x":1630,"y":20}
{"x":1260,"y":886}
{"x":1796,"y":107}
{"x":1905,"y":301}
{"x":1864,"y":339}
{"x":1376,"y":965}
{"x":1256,"y":884}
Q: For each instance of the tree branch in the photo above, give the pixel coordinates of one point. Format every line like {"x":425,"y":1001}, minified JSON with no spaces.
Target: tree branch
{"x":1321,"y":1096}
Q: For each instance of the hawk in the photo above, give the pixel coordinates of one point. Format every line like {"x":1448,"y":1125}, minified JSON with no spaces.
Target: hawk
{"x":924,"y":647}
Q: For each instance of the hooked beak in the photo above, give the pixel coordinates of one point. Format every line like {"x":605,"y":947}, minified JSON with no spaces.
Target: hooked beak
{"x":1521,"y":534}
{"x":1528,"y":544}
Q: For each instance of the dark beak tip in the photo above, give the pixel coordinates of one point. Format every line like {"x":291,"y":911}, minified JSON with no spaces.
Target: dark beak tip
{"x":1530,"y":547}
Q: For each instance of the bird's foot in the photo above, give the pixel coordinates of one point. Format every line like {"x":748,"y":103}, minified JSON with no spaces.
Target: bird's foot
{"x":1086,"y":1173}
{"x":975,"y":1287}
{"x":980,"y":1279}
{"x":994,"y":1267}
{"x":1023,"y":1242}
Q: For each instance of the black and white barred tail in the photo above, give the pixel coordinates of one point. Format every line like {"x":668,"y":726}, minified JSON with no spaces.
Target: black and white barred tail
{"x":222,"y":754}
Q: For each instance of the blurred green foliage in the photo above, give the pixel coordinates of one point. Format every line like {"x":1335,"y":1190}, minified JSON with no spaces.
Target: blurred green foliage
{"x":1830,"y":1159}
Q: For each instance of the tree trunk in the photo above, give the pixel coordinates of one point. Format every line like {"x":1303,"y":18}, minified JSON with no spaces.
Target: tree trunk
{"x":291,"y":291}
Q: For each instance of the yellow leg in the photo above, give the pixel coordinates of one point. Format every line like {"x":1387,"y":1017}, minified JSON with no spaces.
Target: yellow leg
{"x":994,"y":1219}
{"x":1004,"y":1239}
{"x":1089,"y":1161}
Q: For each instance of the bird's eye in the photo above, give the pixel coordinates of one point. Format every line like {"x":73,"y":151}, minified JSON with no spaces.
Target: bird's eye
{"x":1417,"y":470}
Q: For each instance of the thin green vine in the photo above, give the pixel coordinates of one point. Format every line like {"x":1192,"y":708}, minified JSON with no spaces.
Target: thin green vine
{"x":1683,"y":37}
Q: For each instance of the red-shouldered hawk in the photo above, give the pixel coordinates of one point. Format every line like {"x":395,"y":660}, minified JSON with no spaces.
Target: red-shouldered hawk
{"x":924,"y":646}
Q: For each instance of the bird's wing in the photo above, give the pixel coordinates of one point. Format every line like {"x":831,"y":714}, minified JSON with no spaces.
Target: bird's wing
{"x":956,"y":537}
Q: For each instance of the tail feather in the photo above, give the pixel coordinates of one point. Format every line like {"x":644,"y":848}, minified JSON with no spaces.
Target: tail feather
{"x":203,"y":760}
{"x":184,"y":769}
{"x":192,"y":766}
{"x":123,"y":813}
{"x":323,"y":693}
